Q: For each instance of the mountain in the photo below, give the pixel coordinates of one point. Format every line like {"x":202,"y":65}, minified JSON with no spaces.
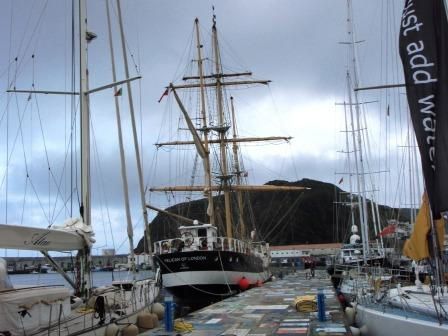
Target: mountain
{"x":320,"y":214}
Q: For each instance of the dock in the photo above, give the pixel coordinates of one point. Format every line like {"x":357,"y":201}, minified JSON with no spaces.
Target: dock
{"x":267,"y":310}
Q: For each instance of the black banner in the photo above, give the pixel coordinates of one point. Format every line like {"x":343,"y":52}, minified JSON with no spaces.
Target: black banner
{"x":424,"y":54}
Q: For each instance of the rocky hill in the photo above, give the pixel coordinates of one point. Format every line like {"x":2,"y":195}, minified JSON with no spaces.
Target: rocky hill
{"x":320,"y":214}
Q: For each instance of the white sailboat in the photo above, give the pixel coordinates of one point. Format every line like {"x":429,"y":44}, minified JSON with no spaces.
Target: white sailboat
{"x":51,"y":310}
{"x":397,"y":309}
{"x":362,"y":249}
{"x":203,"y":258}
{"x":412,"y":309}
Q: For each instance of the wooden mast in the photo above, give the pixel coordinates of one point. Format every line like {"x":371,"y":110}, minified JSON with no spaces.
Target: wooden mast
{"x":206,"y":160}
{"x":202,"y":144}
{"x":237,"y":172}
{"x":222,"y":134}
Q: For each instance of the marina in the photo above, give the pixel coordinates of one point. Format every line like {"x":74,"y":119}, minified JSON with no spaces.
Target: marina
{"x":267,"y":310}
{"x":154,"y":183}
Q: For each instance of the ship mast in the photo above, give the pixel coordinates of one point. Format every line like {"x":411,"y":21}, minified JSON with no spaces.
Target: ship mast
{"x":237,"y":172}
{"x":225,"y":177}
{"x":206,"y":160}
{"x":85,"y":207}
{"x":359,"y":157}
{"x":218,"y":81}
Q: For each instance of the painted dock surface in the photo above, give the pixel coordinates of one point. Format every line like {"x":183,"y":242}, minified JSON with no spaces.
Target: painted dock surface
{"x":267,"y":310}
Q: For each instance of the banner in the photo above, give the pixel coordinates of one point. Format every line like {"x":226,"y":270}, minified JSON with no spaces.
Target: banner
{"x":424,"y":54}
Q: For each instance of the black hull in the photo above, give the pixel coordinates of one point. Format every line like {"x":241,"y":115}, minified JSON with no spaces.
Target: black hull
{"x":209,"y":274}
{"x":208,"y":261}
{"x":20,"y":272}
{"x":209,"y":293}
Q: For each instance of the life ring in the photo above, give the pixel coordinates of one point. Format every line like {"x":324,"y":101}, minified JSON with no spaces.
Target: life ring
{"x":188,"y":238}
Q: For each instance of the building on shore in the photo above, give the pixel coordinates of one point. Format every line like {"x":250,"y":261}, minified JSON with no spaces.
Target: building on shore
{"x":100,"y":262}
{"x":298,"y":255}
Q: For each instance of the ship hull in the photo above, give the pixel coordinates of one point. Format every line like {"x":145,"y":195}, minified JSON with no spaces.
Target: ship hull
{"x":209,"y":274}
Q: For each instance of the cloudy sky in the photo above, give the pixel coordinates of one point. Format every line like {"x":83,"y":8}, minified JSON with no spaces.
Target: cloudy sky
{"x":294,"y":43}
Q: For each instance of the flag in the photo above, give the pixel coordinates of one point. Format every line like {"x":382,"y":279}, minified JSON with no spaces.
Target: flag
{"x":388,"y":230}
{"x":416,"y":247}
{"x":118,"y":93}
{"x":163,"y":95}
{"x":341,"y":180}
{"x":423,"y":52}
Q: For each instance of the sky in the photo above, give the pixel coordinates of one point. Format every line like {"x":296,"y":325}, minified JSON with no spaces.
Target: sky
{"x":297,"y":44}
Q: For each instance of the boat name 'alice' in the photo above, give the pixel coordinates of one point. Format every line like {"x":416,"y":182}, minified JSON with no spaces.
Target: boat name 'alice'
{"x":192,"y":258}
{"x":38,"y":240}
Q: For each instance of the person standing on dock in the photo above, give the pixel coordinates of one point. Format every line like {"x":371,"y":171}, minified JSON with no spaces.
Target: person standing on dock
{"x":312,"y":267}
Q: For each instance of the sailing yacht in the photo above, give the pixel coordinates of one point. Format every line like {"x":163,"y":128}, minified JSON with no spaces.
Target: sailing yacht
{"x":210,"y":259}
{"x":360,"y":250}
{"x":53,"y":310}
{"x":412,"y":309}
{"x":422,"y":308}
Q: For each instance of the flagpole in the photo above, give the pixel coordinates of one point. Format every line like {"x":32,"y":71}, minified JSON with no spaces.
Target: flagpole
{"x":435,"y":252}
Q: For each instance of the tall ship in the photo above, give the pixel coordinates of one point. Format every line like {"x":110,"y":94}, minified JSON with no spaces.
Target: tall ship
{"x":216,"y":257}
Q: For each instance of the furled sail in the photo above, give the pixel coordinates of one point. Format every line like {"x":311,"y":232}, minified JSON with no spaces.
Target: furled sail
{"x":424,"y":54}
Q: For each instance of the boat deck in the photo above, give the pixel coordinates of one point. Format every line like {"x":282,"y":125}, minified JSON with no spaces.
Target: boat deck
{"x":267,"y":310}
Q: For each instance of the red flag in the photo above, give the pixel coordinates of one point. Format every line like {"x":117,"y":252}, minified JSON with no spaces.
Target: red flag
{"x":118,"y":92}
{"x":388,"y":230}
{"x":163,"y":95}
{"x":341,"y":180}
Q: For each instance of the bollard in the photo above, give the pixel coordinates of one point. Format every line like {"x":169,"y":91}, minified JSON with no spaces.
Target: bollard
{"x":321,"y":304}
{"x":169,"y":313}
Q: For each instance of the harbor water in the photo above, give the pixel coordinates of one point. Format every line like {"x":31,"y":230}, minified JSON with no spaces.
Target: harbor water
{"x":98,"y":278}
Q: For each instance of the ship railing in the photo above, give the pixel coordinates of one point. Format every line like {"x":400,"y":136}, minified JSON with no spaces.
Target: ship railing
{"x":204,"y":243}
{"x":389,"y":276}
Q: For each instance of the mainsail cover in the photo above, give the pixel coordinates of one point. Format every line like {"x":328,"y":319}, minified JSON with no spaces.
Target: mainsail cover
{"x":38,"y":239}
{"x":424,"y":54}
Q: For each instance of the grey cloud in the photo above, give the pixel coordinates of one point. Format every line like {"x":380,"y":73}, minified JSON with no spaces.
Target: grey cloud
{"x":294,"y":43}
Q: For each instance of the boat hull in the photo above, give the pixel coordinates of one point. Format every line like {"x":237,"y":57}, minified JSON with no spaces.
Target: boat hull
{"x":209,"y":273}
{"x":48,"y":311}
{"x":386,"y":323}
{"x":20,"y":271}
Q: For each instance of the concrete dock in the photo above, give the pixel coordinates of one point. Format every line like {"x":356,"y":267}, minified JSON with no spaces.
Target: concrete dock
{"x":267,"y":310}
